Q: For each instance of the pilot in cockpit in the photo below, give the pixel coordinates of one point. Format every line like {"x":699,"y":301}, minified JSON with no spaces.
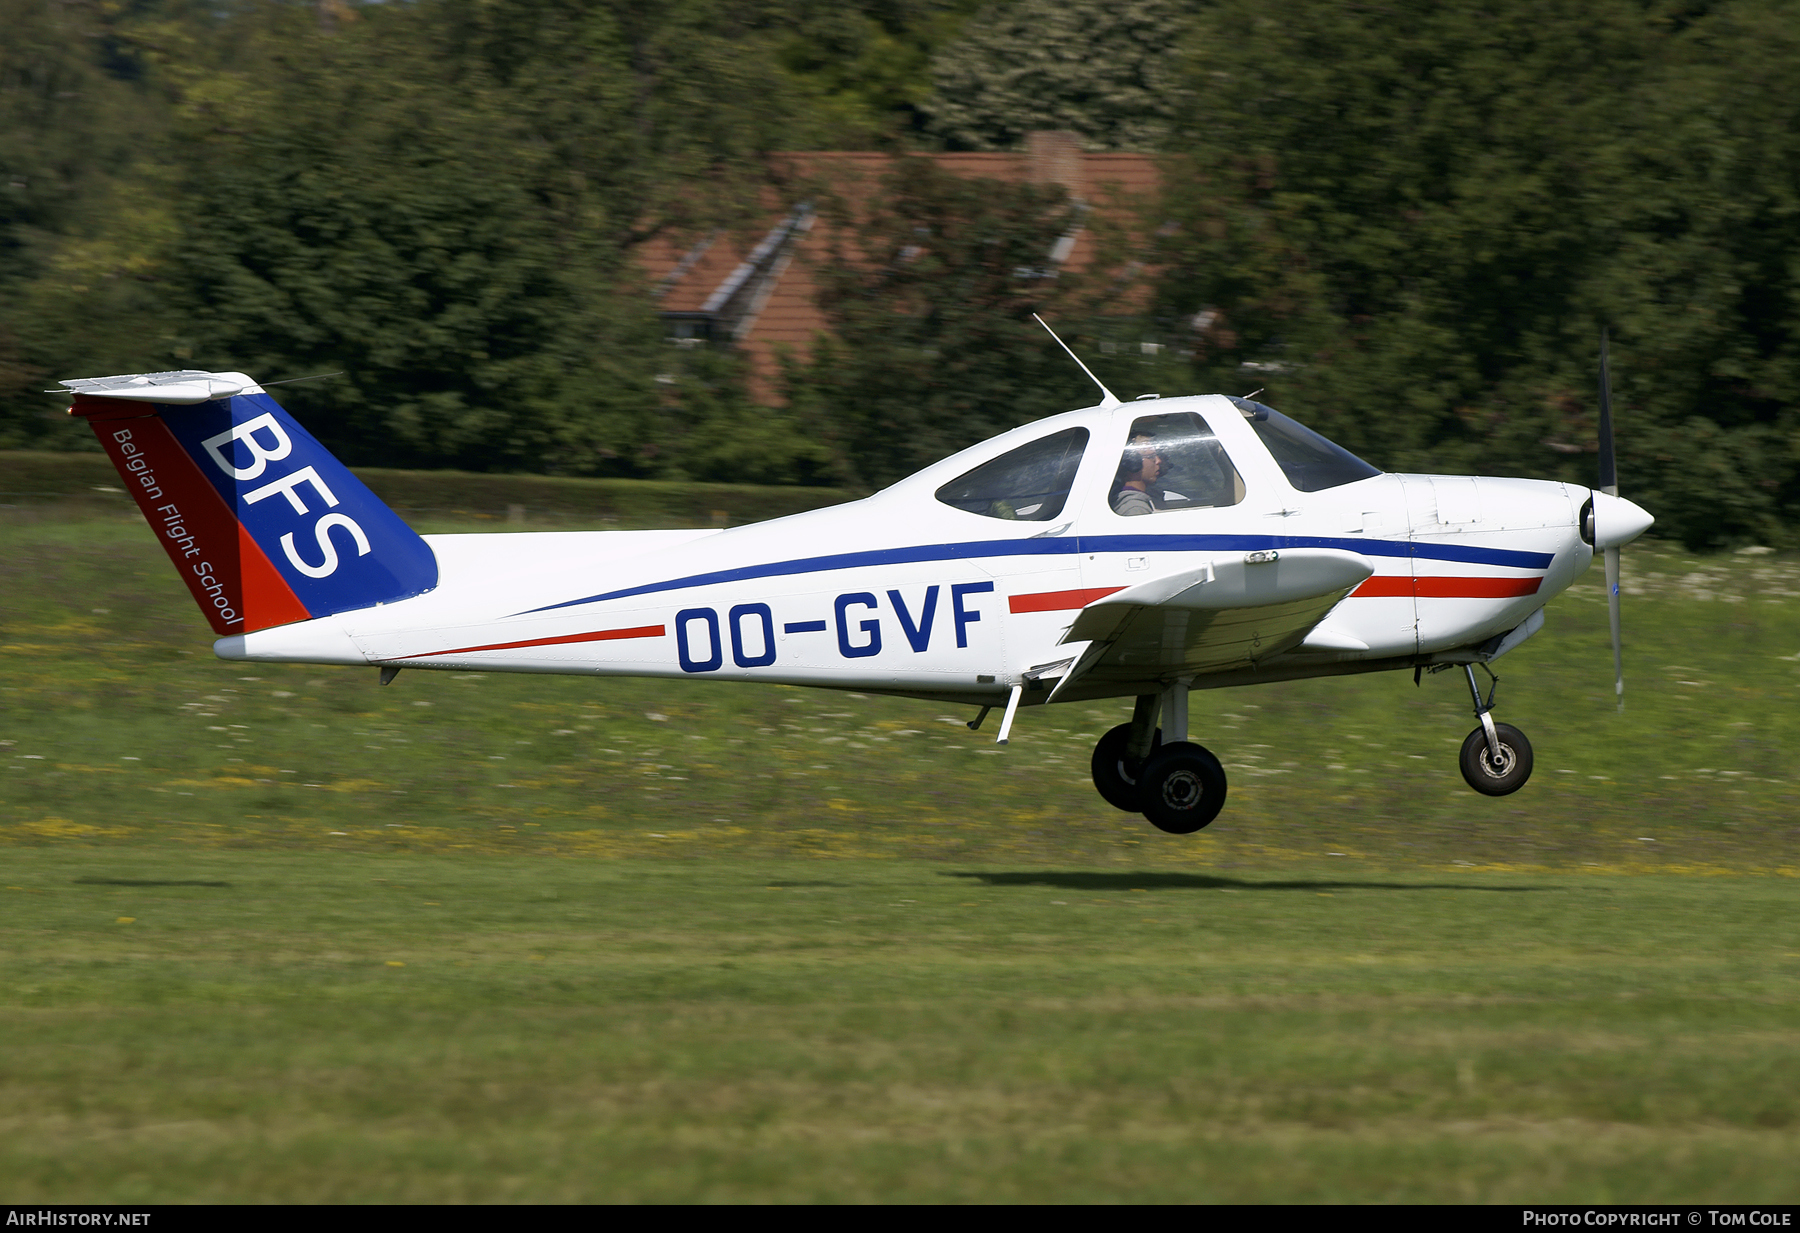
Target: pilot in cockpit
{"x":1139,"y":467}
{"x":1173,"y":462}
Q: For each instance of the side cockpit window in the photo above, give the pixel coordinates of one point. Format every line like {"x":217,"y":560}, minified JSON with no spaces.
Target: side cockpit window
{"x":1029,"y":484}
{"x":1173,"y":462}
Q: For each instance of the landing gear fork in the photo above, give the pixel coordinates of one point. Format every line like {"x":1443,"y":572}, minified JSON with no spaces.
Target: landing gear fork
{"x":1495,"y":758}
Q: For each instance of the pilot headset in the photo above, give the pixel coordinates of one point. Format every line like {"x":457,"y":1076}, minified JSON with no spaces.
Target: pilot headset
{"x":1132,"y":464}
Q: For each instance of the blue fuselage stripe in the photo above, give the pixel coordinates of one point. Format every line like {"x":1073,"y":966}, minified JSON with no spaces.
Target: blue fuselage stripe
{"x":920,"y":553}
{"x":1467,"y":554}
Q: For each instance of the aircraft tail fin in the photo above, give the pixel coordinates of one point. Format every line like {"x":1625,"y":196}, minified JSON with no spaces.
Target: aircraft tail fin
{"x":263,"y":524}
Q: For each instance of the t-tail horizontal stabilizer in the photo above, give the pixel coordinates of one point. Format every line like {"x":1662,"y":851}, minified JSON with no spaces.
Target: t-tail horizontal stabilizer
{"x":263,"y":525}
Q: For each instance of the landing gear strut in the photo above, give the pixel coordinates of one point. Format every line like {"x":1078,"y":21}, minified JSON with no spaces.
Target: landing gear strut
{"x":1496,"y":758}
{"x":1177,"y":785}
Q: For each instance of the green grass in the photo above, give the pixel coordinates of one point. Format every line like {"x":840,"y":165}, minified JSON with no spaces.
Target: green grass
{"x":232,"y":1025}
{"x":277,"y":933}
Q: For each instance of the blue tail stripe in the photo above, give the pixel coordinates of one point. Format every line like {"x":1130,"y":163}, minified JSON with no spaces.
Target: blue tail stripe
{"x":300,"y":494}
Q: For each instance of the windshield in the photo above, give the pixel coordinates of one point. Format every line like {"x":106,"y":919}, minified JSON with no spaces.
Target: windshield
{"x":1028,"y":484}
{"x":1309,"y":461}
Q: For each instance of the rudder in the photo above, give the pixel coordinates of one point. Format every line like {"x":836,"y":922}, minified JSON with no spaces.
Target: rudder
{"x":263,"y":524}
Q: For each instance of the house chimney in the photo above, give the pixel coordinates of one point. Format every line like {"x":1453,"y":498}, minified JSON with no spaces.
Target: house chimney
{"x":1054,"y":157}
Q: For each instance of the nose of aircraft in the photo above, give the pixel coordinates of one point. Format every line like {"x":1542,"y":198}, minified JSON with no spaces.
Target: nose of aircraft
{"x":1618,"y":521}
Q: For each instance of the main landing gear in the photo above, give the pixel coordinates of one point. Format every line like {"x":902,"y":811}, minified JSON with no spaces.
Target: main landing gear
{"x":1496,"y":758}
{"x":1177,"y":785}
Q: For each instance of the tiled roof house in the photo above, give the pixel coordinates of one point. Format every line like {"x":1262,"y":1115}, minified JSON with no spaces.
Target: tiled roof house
{"x":759,"y":294}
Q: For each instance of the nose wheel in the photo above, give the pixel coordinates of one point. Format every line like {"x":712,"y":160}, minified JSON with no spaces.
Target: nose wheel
{"x":1494,"y":773}
{"x":1495,"y":758}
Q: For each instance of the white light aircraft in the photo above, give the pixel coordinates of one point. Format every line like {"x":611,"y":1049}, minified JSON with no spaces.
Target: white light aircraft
{"x":1126,"y":550}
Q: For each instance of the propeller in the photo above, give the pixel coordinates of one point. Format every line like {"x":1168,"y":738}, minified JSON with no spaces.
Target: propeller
{"x":1609,"y":484}
{"x":1615,"y":521}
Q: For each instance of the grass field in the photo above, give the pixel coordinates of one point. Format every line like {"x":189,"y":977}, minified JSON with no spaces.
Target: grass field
{"x":283,"y":934}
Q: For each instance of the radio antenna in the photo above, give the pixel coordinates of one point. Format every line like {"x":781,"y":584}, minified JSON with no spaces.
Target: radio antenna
{"x":318,"y":376}
{"x":1107,"y":397}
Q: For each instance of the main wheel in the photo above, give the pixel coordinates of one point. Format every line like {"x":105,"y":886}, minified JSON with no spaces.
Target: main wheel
{"x":1115,"y":774}
{"x":1496,"y":776}
{"x":1182,"y":788}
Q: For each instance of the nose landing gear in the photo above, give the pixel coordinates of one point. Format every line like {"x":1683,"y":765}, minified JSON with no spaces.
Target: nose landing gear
{"x":1496,"y":758}
{"x":1179,"y":786}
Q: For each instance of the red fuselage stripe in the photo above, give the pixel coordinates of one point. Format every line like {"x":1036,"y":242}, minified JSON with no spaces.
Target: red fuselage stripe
{"x":1387,"y":585}
{"x":605,"y":635}
{"x":1384,"y":586}
{"x":1057,"y":601}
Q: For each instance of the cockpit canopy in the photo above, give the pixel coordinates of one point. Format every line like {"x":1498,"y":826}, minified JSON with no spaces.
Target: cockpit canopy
{"x":1172,"y":461}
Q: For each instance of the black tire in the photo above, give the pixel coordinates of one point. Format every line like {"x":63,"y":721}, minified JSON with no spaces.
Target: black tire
{"x":1115,"y":778}
{"x":1513,"y":769}
{"x":1182,"y":788}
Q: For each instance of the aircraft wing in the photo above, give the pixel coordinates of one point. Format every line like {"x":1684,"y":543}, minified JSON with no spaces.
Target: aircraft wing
{"x":1232,"y":612}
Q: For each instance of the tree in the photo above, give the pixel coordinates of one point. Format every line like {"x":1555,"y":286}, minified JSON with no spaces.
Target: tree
{"x":71,"y":125}
{"x":1109,"y":71}
{"x":1411,"y":224}
{"x":66,"y":126}
{"x":865,"y":67}
{"x":439,"y":199}
{"x":931,"y":291}
{"x":358,"y":213}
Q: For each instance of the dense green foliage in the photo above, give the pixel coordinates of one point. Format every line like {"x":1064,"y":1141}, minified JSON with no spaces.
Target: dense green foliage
{"x":1418,"y":219}
{"x":441,"y":200}
{"x":413,"y":234}
{"x":864,"y":67}
{"x":1408,"y":223}
{"x":68,"y":126}
{"x":1109,"y":70}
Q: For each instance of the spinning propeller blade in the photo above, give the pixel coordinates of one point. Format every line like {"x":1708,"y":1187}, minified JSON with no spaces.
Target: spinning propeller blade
{"x":1609,"y":484}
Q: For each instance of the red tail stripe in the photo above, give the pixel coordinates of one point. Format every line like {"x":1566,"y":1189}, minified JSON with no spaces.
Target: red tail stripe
{"x":1385,"y":586}
{"x":268,"y":599}
{"x":230,"y":577}
{"x":605,"y":635}
{"x":1057,"y":601}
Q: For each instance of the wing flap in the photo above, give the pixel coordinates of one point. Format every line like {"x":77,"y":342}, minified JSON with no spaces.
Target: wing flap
{"x":1229,"y":613}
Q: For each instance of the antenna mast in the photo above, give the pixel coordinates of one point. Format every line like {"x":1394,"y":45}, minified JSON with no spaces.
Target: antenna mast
{"x":1107,"y":397}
